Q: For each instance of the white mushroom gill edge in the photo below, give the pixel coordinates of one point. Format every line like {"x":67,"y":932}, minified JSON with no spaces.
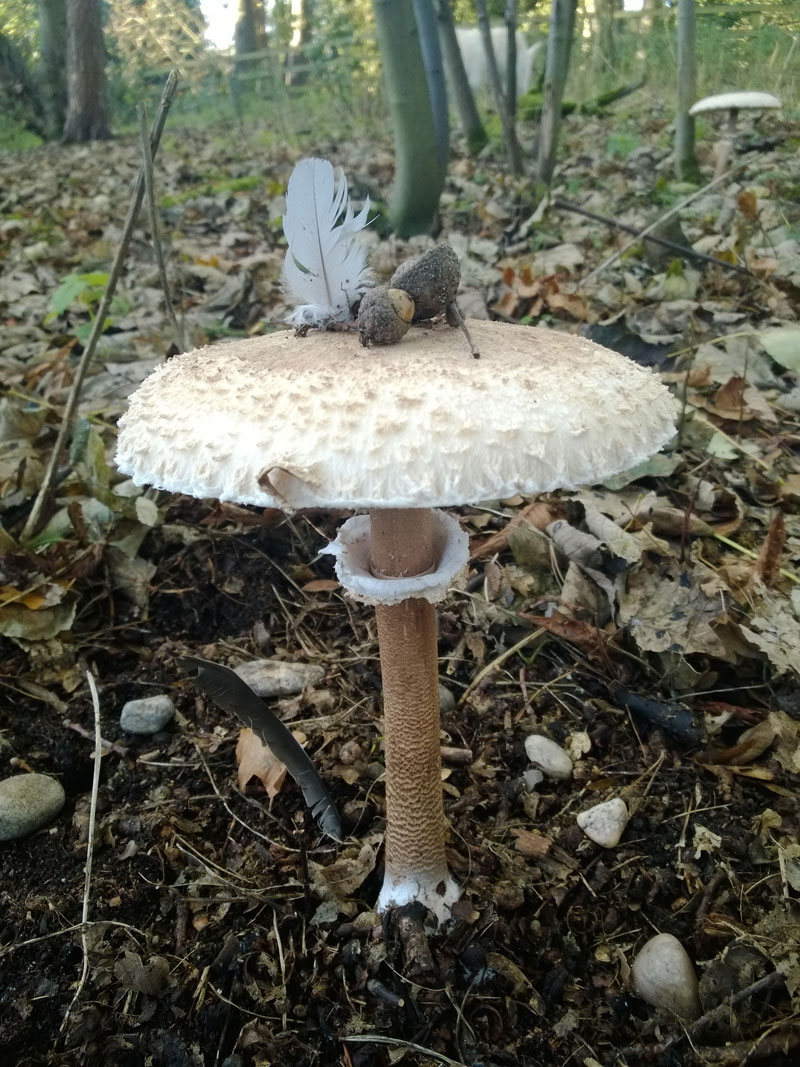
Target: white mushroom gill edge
{"x":352,"y":551}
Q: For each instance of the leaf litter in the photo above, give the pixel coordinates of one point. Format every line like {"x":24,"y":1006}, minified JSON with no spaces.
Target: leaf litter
{"x":665,"y":651}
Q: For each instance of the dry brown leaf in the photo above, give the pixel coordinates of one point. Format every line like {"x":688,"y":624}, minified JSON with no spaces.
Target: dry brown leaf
{"x":537,"y":514}
{"x":255,"y":760}
{"x":321,"y":585}
{"x":589,"y":638}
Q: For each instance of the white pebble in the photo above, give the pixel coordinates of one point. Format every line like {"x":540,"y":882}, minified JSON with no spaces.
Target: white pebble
{"x":663,"y":975}
{"x":278,"y":677}
{"x":550,"y":758}
{"x":28,"y":802}
{"x":146,"y":716}
{"x":532,"y":779}
{"x":605,"y":823}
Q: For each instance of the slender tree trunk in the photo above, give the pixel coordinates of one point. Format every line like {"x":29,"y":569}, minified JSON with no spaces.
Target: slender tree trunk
{"x":559,"y":46}
{"x":87,"y":88}
{"x":686,"y":167}
{"x":53,"y":64}
{"x":419,"y":177}
{"x":513,"y":150}
{"x":434,"y":76}
{"x":510,"y":19}
{"x":457,"y":82}
{"x":302,"y":22}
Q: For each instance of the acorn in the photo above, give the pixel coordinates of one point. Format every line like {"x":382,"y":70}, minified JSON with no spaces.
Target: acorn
{"x":431,"y":280}
{"x":384,"y":316}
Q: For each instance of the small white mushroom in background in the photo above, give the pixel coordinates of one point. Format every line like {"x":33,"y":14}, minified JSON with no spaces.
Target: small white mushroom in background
{"x":732,"y":103}
{"x":663,"y":975}
{"x":605,"y":823}
{"x":318,"y":421}
{"x":548,"y":757}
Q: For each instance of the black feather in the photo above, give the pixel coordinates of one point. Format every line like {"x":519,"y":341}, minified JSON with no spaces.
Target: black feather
{"x":229,"y":692}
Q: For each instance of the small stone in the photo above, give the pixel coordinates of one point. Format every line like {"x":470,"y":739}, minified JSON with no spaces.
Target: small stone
{"x":550,"y":758}
{"x":146,"y":716}
{"x":28,"y":802}
{"x":532,"y":778}
{"x":278,"y":677}
{"x":447,"y":700}
{"x":605,"y":823}
{"x":663,"y":975}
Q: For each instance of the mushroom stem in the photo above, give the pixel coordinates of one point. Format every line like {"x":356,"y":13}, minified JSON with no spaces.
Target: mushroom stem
{"x":416,"y":867}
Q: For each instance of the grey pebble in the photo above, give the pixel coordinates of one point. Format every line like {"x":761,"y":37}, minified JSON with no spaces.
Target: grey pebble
{"x":278,"y":677}
{"x":446,"y":699}
{"x":28,"y":802}
{"x":146,"y":716}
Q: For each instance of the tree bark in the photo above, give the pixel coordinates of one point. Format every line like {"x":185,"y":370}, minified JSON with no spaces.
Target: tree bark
{"x":559,"y":46}
{"x":686,"y":168}
{"x":53,"y":64}
{"x":510,"y":140}
{"x":457,"y":82}
{"x":434,"y":77}
{"x":87,"y":88}
{"x":510,"y":19}
{"x":419,"y":177}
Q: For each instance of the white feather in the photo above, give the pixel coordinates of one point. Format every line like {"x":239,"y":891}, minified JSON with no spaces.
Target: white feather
{"x":325,"y":267}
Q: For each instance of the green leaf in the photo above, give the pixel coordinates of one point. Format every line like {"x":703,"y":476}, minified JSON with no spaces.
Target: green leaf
{"x":783,"y":345}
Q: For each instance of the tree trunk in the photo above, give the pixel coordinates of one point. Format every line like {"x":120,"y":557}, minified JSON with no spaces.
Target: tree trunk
{"x":87,"y":88}
{"x":302,"y":15}
{"x":686,"y":167}
{"x":434,"y":76}
{"x":510,"y":19}
{"x":559,"y":46}
{"x":419,"y":178}
{"x":19,"y":95}
{"x":604,"y":10}
{"x":513,"y":150}
{"x":457,"y":82}
{"x":53,"y":64}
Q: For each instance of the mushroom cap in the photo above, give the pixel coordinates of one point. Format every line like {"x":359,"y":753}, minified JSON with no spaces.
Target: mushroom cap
{"x":319,"y":421}
{"x":734,"y":101}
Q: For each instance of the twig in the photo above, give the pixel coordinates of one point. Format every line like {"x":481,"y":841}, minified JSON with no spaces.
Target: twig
{"x":97,"y":326}
{"x":87,"y":884}
{"x":111,"y":746}
{"x":395,"y":1042}
{"x":155,"y":227}
{"x":496,"y":663}
{"x":662,"y":218}
{"x":682,"y":250}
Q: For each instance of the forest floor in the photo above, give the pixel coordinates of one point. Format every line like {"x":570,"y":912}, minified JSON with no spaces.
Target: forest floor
{"x":223,"y":929}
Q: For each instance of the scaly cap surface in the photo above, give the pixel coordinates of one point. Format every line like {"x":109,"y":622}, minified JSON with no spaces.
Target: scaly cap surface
{"x":320,"y":421}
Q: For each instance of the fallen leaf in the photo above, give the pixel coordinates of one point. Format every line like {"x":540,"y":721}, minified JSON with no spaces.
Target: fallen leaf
{"x":255,"y":760}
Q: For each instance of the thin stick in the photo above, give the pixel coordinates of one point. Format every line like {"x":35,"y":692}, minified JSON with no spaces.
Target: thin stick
{"x":681,"y":250}
{"x":87,"y":884}
{"x":155,"y":227}
{"x":662,"y":218}
{"x":97,"y":326}
{"x":412,"y":1046}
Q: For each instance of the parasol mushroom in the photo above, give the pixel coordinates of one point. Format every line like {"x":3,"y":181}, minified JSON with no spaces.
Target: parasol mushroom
{"x":319,"y":421}
{"x":732,"y":103}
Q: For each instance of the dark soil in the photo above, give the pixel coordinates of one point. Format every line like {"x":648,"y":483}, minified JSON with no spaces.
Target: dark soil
{"x":210,"y":940}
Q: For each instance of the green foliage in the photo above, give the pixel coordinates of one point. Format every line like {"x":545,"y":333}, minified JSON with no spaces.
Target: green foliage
{"x":620,"y":143}
{"x":87,"y":288}
{"x":14,"y":137}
